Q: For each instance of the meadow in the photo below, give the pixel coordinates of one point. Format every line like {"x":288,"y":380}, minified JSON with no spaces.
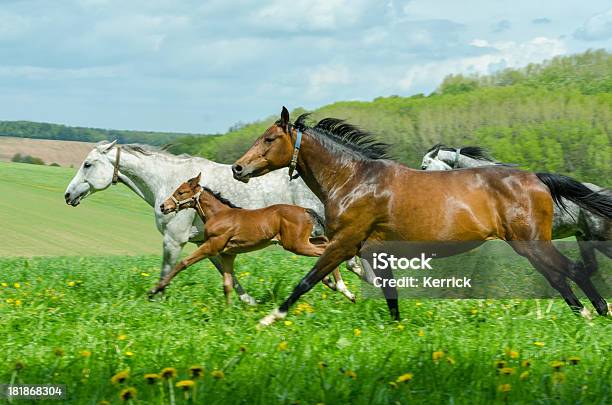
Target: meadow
{"x":78,"y":315}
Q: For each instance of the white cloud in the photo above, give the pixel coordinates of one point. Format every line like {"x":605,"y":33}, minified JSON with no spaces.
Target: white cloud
{"x":323,"y":79}
{"x":596,"y":28}
{"x":501,"y":55}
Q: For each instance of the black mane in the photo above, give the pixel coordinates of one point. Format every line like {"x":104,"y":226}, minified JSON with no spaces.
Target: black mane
{"x":356,"y":139}
{"x":220,"y":198}
{"x":474,"y":152}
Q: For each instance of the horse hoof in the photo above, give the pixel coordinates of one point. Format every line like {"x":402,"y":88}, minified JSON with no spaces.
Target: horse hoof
{"x":271,"y":318}
{"x":247,"y":299}
{"x":586,"y":314}
{"x":609,"y":309}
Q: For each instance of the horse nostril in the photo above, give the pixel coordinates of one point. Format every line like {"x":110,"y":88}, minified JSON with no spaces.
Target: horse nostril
{"x":67,"y":196}
{"x":161,"y":207}
{"x":237,"y":169}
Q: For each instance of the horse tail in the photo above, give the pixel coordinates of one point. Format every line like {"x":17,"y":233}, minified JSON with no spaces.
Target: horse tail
{"x":318,"y":223}
{"x":565,"y":187}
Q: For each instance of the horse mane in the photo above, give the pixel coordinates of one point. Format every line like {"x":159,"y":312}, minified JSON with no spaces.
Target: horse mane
{"x":341,"y":132}
{"x":474,"y":152}
{"x":219,"y":197}
{"x":149,"y":150}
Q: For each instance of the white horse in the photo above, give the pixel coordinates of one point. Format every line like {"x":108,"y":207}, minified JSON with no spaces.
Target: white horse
{"x":569,"y":221}
{"x":154,"y":174}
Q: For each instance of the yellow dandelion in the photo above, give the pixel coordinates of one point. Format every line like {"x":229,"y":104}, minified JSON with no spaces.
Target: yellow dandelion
{"x":282,"y":346}
{"x":393,"y":384}
{"x":127,"y":393}
{"x":500,"y":364}
{"x":351,"y":374}
{"x":129,"y":354}
{"x":120,"y":377}
{"x":539,"y":344}
{"x":18,"y":302}
{"x":450,"y":360}
{"x":185,"y":384}
{"x":217,"y":374}
{"x":16,"y":285}
{"x":144,"y":274}
{"x":9,"y":300}
{"x":322,"y":365}
{"x":324,"y":296}
{"x":506,"y":371}
{"x":437,"y":355}
{"x":558,"y":378}
{"x":152,"y":378}
{"x":288,"y":323}
{"x":557,"y":365}
{"x":4,"y":284}
{"x":357,"y":332}
{"x":400,"y":327}
{"x":196,"y":371}
{"x":404,"y":377}
{"x":574,"y":360}
{"x":505,"y":388}
{"x":526,"y":363}
{"x":418,"y":304}
{"x":421,"y":333}
{"x":168,"y":372}
{"x":85,"y":353}
{"x":524,"y":375}
{"x":513,"y":354}
{"x":121,"y":337}
{"x":71,"y":284}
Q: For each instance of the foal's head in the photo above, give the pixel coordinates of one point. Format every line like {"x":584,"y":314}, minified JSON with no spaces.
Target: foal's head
{"x":183,"y":197}
{"x":270,"y":151}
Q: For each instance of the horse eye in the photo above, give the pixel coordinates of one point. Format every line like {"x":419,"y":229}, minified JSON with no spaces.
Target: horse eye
{"x":86,"y":165}
{"x":269,"y":140}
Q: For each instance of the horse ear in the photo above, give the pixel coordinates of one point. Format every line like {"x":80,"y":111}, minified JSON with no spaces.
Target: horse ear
{"x":106,"y":148}
{"x":284,"y":117}
{"x":196,"y":180}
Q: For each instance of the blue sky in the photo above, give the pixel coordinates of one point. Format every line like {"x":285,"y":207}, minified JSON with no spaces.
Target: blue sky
{"x":201,"y":66}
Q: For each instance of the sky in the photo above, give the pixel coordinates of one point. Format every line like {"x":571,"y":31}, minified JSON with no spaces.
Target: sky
{"x":202,"y":66}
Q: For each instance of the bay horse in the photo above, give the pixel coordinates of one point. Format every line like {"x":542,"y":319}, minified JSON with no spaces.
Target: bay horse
{"x":231,"y":230}
{"x":368,"y":197}
{"x":569,"y":219}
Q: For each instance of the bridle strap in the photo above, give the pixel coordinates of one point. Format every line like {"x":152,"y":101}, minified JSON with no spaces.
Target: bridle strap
{"x":194,"y":198}
{"x":296,"y":152}
{"x":457,"y":155}
{"x":116,"y":168}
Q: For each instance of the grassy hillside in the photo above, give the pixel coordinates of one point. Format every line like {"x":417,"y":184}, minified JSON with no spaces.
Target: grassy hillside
{"x":555,"y":116}
{"x":43,"y":130}
{"x":36,"y":220}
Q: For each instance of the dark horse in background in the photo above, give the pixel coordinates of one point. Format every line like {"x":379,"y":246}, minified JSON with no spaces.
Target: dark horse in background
{"x":370,"y":198}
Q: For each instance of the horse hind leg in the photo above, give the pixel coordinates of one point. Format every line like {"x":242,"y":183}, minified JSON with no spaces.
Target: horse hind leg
{"x":341,"y":287}
{"x":551,"y":268}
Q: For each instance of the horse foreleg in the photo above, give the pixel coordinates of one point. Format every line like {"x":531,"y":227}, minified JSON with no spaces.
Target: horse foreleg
{"x":244,"y":297}
{"x":340,"y":286}
{"x":172,"y":252}
{"x":209,"y":248}
{"x":228,"y":275}
{"x":337,"y":251}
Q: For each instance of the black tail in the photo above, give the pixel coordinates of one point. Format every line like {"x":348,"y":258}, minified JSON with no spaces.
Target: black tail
{"x":318,"y":223}
{"x":565,"y":187}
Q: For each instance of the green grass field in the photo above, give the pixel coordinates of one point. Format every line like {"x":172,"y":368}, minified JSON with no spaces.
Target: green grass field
{"x":36,"y":221}
{"x":82,"y":317}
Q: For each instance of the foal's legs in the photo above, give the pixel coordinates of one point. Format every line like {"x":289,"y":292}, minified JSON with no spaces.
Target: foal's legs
{"x":244,"y":297}
{"x":228,"y":273}
{"x":209,"y":248}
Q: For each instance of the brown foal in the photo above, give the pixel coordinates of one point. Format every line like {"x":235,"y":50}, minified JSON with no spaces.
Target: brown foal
{"x":231,"y":230}
{"x":370,"y":198}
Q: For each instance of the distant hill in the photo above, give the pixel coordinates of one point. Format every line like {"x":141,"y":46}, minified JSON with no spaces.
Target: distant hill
{"x":40,"y":130}
{"x":555,"y":116}
{"x":64,"y":153}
